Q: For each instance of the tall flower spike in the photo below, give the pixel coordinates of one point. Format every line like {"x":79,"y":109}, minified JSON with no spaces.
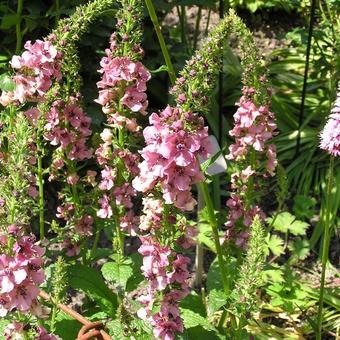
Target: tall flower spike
{"x":330,"y":135}
{"x":123,"y":99}
{"x":254,"y":156}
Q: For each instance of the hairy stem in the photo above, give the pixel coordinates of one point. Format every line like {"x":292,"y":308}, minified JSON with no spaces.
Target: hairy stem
{"x":213,"y":222}
{"x":325,"y":247}
{"x":167,"y":59}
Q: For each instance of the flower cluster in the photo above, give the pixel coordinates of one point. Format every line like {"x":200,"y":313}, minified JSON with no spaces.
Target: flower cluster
{"x":68,"y":127}
{"x":21,"y":271}
{"x":254,"y":127}
{"x":330,"y":135}
{"x":166,"y":272}
{"x":36,"y":68}
{"x":174,"y":141}
{"x":122,"y":86}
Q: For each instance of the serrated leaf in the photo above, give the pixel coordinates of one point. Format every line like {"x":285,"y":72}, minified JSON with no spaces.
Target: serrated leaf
{"x":6,"y":83}
{"x":116,"y":329}
{"x":274,"y":275}
{"x":117,"y":273}
{"x":286,"y":222}
{"x":192,"y":319}
{"x":91,"y":282}
{"x":304,"y":206}
{"x":216,"y":299}
{"x":275,"y":244}
{"x":300,"y":249}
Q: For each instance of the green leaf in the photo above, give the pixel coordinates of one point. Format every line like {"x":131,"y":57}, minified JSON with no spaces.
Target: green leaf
{"x":193,"y":301}
{"x":100,"y":253}
{"x":137,"y":277}
{"x":275,"y":244}
{"x":286,"y":222}
{"x":91,"y":282}
{"x":192,"y":319}
{"x":117,"y":272}
{"x":304,"y":206}
{"x":6,"y":83}
{"x":9,"y":21}
{"x":300,"y":249}
{"x":116,"y":329}
{"x":214,"y":280}
{"x":66,"y":327}
{"x":3,"y":324}
{"x":216,"y":299}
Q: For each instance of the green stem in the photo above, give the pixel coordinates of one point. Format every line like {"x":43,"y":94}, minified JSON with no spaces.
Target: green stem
{"x":208,"y":22}
{"x":18,"y":26}
{"x":120,"y":236}
{"x":182,"y":21}
{"x":154,"y":19}
{"x":95,"y":243}
{"x":213,"y":222}
{"x":197,"y":27}
{"x":325,"y":248}
{"x":41,"y":198}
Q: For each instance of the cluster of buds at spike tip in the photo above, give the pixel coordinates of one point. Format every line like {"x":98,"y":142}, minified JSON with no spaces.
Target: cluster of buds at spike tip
{"x":21,"y":271}
{"x":330,"y":135}
{"x":255,"y":156}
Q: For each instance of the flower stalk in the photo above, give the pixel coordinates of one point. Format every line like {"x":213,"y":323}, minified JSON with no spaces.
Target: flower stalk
{"x":325,"y":247}
{"x":167,"y":59}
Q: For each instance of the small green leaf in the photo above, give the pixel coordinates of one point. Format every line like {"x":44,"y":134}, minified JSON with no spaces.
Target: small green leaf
{"x":192,"y":319}
{"x":300,"y":249}
{"x":162,"y":68}
{"x":117,"y":273}
{"x":275,"y":245}
{"x":216,"y":299}
{"x":6,"y":83}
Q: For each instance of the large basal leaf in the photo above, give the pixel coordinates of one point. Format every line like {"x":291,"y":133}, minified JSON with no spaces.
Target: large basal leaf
{"x":91,"y":282}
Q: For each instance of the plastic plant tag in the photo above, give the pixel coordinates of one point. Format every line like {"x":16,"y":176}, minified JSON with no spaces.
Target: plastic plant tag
{"x":219,"y":164}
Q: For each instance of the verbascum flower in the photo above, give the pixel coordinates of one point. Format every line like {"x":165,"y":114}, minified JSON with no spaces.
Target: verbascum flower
{"x":330,"y":135}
